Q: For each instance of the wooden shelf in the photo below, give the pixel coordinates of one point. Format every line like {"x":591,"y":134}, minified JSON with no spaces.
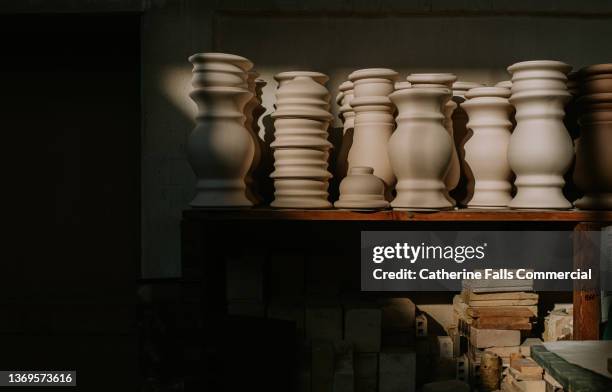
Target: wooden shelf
{"x":466,"y":215}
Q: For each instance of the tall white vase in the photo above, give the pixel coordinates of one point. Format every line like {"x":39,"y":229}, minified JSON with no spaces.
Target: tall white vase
{"x":593,"y":170}
{"x":301,"y":148}
{"x":488,"y":110}
{"x":374,"y":122}
{"x":453,"y":173}
{"x":540,"y":149}
{"x":420,"y":148}
{"x":220,"y":148}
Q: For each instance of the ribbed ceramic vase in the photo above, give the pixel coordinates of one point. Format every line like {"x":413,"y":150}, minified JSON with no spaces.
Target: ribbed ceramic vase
{"x":420,"y":149}
{"x":220,"y":148}
{"x":488,"y":110}
{"x":362,"y":190}
{"x":540,"y":150}
{"x":301,"y":148}
{"x":593,"y":170}
{"x":374,"y":122}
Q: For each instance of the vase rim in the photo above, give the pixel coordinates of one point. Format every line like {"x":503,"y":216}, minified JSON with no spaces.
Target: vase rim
{"x":365,"y":73}
{"x":478,"y":92}
{"x":432,"y":78}
{"x":402,"y":85}
{"x":461,"y":85}
{"x":540,"y":64}
{"x":318,"y":77}
{"x":240,"y":61}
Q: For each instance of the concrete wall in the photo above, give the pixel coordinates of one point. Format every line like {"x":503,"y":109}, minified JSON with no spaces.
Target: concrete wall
{"x":475,"y":39}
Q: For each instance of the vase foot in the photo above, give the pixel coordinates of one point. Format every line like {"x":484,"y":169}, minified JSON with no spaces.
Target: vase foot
{"x":595,"y":201}
{"x":530,"y":197}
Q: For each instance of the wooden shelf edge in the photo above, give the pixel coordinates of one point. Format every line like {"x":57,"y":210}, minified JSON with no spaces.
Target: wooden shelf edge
{"x":466,"y":215}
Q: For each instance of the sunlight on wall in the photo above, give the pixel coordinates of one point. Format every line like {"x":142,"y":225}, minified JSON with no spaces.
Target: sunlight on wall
{"x":176,"y":84}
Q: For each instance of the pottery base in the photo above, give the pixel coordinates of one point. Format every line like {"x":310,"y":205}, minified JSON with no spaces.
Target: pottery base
{"x":220,"y":193}
{"x":540,"y":197}
{"x":421,"y":200}
{"x":595,"y":201}
{"x":418,"y":209}
{"x":368,"y":205}
{"x":301,"y":203}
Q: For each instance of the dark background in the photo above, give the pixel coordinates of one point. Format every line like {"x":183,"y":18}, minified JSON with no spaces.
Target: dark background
{"x":70,"y":126}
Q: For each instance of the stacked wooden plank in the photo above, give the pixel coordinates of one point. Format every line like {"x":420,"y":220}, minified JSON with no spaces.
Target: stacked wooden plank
{"x":559,"y":323}
{"x":523,"y":375}
{"x":492,"y":315}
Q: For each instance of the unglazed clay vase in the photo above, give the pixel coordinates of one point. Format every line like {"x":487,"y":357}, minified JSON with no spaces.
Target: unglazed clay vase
{"x":420,"y":149}
{"x":301,"y":148}
{"x":508,"y":84}
{"x":402,"y":85}
{"x":540,"y":149}
{"x":461,"y":87}
{"x":347,"y":114}
{"x":362,"y":190}
{"x":346,"y":110}
{"x":435,"y":80}
{"x":504,"y":84}
{"x":220,"y":148}
{"x":374,"y":122}
{"x":488,"y":110}
{"x":460,"y":134}
{"x":593,"y":170}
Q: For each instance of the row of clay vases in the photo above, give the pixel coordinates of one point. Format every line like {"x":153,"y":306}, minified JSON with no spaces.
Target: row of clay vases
{"x":220,"y":149}
{"x":593,"y":170}
{"x":301,"y":148}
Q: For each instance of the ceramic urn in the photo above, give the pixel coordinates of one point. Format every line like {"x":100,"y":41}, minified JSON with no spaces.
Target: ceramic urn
{"x":486,"y":149}
{"x":540,"y":149}
{"x":593,"y":170}
{"x":220,"y":149}
{"x":420,"y":149}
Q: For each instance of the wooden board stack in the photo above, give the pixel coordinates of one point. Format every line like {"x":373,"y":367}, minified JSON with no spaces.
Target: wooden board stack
{"x":492,"y":315}
{"x":523,"y":375}
{"x":558,"y":325}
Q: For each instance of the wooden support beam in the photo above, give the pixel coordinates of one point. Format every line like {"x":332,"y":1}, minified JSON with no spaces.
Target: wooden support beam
{"x":587,"y":301}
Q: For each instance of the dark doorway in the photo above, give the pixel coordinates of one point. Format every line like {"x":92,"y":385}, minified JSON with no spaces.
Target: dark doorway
{"x":70,"y":126}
